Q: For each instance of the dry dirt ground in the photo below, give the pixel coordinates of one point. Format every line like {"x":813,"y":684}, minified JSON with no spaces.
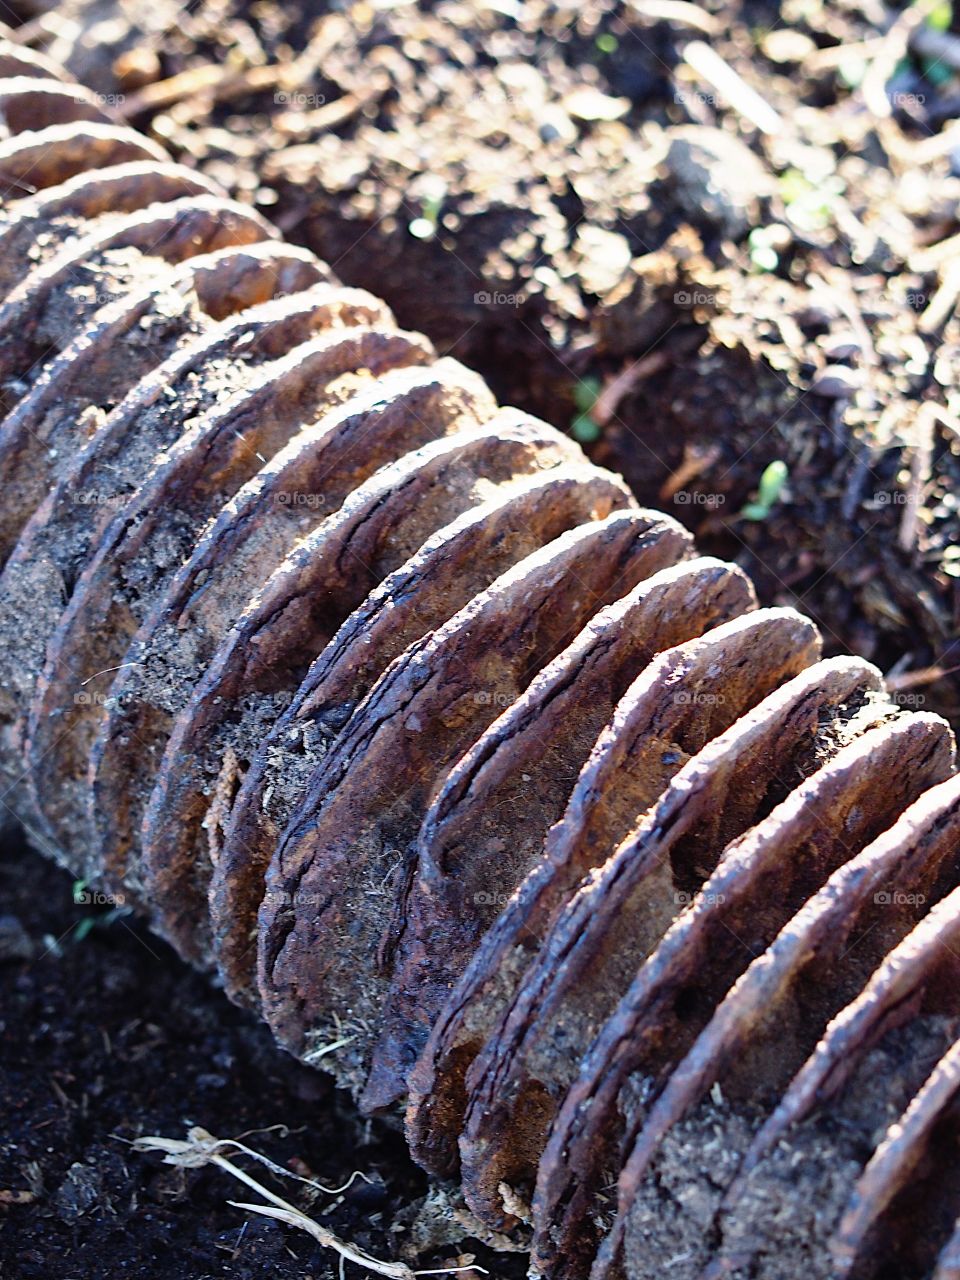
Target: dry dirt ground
{"x":107,"y":1037}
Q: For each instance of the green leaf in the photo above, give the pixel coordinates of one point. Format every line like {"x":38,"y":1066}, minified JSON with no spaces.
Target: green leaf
{"x":772,"y":482}
{"x":83,"y":928}
{"x":793,"y":186}
{"x":103,"y":921}
{"x":431,"y":208}
{"x":586,"y":393}
{"x":584,"y":430}
{"x":755,"y":511}
{"x":941,"y":17}
{"x":768,"y":491}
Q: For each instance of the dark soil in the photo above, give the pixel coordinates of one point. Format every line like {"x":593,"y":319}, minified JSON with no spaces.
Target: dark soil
{"x":108,"y":1037}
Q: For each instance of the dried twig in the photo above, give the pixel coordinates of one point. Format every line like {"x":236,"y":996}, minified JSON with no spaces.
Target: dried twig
{"x":209,"y":82}
{"x":931,"y":257}
{"x":681,"y":12}
{"x":743,"y":99}
{"x":902,"y":682}
{"x":696,"y":460}
{"x":331,"y":115}
{"x":920,"y":460}
{"x":924,"y":151}
{"x":609,"y":398}
{"x":202,"y":1148}
{"x":838,"y":54}
{"x":943,"y":303}
{"x":38,"y":30}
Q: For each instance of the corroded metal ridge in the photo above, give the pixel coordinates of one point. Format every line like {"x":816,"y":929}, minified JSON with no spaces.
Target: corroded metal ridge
{"x":391,"y":710}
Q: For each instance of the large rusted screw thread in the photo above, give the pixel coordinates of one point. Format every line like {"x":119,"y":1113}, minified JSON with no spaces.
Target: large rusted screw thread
{"x":390,"y":709}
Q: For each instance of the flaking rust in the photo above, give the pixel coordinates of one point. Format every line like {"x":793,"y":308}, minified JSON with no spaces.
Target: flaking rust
{"x":394,"y":713}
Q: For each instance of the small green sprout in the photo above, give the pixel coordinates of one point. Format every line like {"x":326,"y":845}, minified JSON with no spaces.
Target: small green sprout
{"x":809,"y":200}
{"x":583,"y":428}
{"x":762,"y":253}
{"x":769,"y":491}
{"x":431,"y":208}
{"x":607,"y":43}
{"x":425,"y":226}
{"x":941,"y":17}
{"x":83,"y":896}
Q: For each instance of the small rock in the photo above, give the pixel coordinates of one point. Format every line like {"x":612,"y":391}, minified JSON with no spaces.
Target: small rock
{"x":15,"y":942}
{"x":78,"y":1193}
{"x":787,"y":45}
{"x":523,"y":82}
{"x":368,"y":1194}
{"x":8,"y":1197}
{"x":211,"y":1080}
{"x":591,"y":105}
{"x":814,"y":319}
{"x":137,"y":67}
{"x":717,"y":178}
{"x":556,"y":125}
{"x":603,"y":257}
{"x":840,"y":347}
{"x":836,"y":382}
{"x":778,"y":235}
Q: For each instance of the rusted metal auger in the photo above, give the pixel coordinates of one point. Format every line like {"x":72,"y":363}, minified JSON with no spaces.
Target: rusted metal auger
{"x":488,"y":793}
